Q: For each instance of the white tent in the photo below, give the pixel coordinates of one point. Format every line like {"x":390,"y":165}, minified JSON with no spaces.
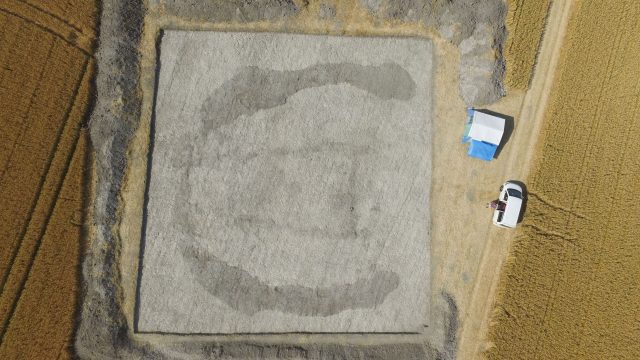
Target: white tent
{"x":487,"y":128}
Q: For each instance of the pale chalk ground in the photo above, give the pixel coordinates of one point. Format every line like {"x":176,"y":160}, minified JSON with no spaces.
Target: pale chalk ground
{"x":305,"y":209}
{"x":467,"y":251}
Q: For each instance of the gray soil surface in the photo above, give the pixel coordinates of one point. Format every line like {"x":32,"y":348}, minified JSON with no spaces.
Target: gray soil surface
{"x":101,"y":333}
{"x":228,"y":10}
{"x":476,"y":26}
{"x":288,"y":200}
{"x":104,"y":332}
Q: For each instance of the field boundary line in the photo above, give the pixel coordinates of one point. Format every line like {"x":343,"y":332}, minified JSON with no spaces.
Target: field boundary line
{"x":26,"y":115}
{"x":5,"y":323}
{"x":65,"y":117}
{"x":66,"y":22}
{"x":19,"y":138}
{"x":82,"y":42}
{"x":554,"y":206}
{"x":25,"y":276}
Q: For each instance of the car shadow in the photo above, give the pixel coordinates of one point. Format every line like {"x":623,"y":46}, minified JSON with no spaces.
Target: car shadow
{"x":525,"y":196}
{"x":508,"y":129}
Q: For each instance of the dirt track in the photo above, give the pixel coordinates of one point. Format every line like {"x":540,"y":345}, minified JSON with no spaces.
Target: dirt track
{"x":570,"y":288}
{"x":46,"y":71}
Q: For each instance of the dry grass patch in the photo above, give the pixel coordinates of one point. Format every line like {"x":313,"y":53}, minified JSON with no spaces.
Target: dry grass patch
{"x":570,"y":288}
{"x":525,"y":24}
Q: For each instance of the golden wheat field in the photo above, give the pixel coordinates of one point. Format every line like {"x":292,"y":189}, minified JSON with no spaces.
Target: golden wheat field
{"x":46,"y":66}
{"x":525,"y":24}
{"x":571,"y":288}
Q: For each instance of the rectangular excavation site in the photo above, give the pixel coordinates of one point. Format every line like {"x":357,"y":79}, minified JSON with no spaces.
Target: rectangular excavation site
{"x":289,"y":185}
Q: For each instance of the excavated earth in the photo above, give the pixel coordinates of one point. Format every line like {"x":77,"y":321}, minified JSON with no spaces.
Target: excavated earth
{"x":123,"y":126}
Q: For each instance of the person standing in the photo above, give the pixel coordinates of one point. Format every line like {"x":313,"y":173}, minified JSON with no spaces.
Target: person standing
{"x":493,"y":204}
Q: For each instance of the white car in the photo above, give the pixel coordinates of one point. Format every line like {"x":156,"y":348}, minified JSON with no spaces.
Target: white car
{"x":509,"y":206}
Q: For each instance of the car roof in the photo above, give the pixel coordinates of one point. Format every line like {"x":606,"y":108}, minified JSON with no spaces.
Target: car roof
{"x":514,"y":192}
{"x":512,"y":212}
{"x":512,"y":185}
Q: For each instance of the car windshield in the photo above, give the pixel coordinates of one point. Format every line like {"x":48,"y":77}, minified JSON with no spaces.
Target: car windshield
{"x":514,"y":193}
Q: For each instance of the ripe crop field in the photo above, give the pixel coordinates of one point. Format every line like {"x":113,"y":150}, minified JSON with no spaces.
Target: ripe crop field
{"x":46,"y":66}
{"x":525,"y":23}
{"x":571,"y":288}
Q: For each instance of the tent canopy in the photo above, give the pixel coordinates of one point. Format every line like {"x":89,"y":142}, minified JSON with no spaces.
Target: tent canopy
{"x":486,"y":128}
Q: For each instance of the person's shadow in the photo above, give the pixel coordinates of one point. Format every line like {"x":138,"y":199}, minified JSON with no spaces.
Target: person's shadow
{"x":508,"y":129}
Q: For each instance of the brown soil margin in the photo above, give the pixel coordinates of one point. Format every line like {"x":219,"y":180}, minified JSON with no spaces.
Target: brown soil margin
{"x":570,"y":288}
{"x":46,"y":70}
{"x":525,"y":24}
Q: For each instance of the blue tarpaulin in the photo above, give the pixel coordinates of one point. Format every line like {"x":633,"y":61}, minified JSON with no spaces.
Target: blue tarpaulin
{"x":467,"y":125}
{"x":482,"y":150}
